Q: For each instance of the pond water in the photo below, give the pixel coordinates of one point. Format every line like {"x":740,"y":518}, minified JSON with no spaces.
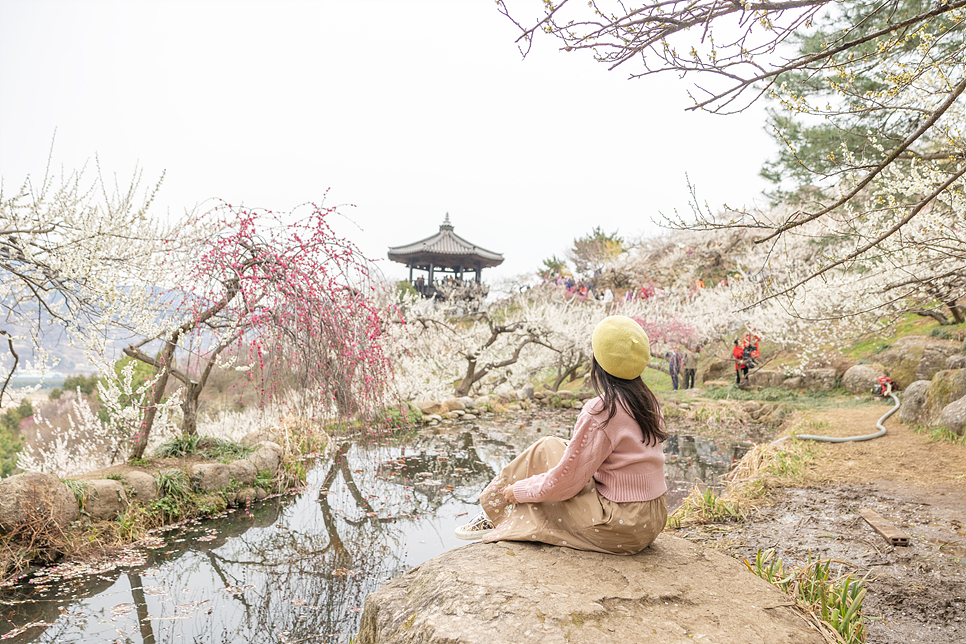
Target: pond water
{"x":297,"y":568}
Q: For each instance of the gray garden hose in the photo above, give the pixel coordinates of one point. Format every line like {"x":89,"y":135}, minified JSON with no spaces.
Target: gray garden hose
{"x":848,"y":439}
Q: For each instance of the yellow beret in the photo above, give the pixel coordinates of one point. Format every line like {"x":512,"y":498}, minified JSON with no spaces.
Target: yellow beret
{"x":621,"y":347}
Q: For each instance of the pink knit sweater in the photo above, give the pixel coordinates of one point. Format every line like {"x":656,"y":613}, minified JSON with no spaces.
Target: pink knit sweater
{"x":624,"y":467}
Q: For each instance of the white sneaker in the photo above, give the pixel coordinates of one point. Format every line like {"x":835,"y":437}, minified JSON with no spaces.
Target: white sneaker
{"x":477,"y":528}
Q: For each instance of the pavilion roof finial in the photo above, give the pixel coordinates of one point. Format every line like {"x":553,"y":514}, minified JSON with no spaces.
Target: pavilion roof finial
{"x":446,"y":225}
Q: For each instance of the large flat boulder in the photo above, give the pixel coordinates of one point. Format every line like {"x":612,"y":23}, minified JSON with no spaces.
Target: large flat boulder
{"x":509,"y":592}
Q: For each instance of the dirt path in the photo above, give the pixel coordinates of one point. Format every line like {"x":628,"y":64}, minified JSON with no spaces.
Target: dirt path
{"x":916,"y":593}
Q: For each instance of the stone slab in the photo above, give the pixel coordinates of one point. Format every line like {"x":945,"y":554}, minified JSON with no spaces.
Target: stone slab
{"x":509,"y":592}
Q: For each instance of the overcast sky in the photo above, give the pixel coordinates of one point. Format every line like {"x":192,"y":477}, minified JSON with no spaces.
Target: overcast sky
{"x":407,"y":109}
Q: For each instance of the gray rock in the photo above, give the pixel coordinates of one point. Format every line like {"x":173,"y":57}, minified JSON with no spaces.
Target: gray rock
{"x":260,"y":494}
{"x":506,"y":392}
{"x":266,"y":458}
{"x":953,"y":416}
{"x":507,"y":593}
{"x":585,"y":395}
{"x":144,"y":487}
{"x":526,"y":392}
{"x":210,"y":477}
{"x":106,"y":499}
{"x":246,"y":496}
{"x":913,"y":399}
{"x":35,"y":496}
{"x":766,"y":378}
{"x":794,"y":382}
{"x":860,"y":378}
{"x":432,"y":417}
{"x":718,"y":369}
{"x":904,"y":356}
{"x":468,"y":417}
{"x":945,"y":387}
{"x":467,"y":402}
{"x":243,"y":472}
{"x":429,"y":406}
{"x":454,"y":404}
{"x":565,"y":394}
{"x":932,"y":362}
{"x":539,"y":395}
{"x":483,"y":400}
{"x":819,"y":379}
{"x":254,"y":438}
{"x":957,"y":361}
{"x":514,"y":407}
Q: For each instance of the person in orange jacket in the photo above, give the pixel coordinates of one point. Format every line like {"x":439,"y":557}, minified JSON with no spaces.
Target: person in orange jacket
{"x":740,"y":364}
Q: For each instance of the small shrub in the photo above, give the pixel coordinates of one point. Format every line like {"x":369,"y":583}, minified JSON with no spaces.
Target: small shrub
{"x":133,"y":523}
{"x":167,"y":508}
{"x":705,"y":507}
{"x":80,"y":489}
{"x":264,"y":480}
{"x":173,"y":483}
{"x":178,"y":446}
{"x":214,"y":448}
{"x":835,"y":599}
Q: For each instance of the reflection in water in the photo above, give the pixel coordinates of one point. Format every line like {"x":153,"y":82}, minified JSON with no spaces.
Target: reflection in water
{"x":297,"y":569}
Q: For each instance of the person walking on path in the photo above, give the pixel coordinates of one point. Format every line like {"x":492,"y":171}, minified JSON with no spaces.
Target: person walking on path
{"x":689,"y":363}
{"x":674,"y":367}
{"x":605,"y":489}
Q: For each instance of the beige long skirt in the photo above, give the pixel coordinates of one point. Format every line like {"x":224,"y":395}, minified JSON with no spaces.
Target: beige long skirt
{"x":588,"y":521}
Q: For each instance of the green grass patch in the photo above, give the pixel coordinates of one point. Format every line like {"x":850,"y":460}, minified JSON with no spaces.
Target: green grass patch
{"x":909,"y":324}
{"x":791,"y":463}
{"x":215,"y":449}
{"x":704,"y":506}
{"x":831,"y":596}
{"x":940,"y":434}
{"x":658,"y":381}
{"x":173,"y":483}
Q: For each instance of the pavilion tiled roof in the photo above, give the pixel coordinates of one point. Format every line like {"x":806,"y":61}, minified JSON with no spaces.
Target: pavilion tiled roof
{"x":445,"y":249}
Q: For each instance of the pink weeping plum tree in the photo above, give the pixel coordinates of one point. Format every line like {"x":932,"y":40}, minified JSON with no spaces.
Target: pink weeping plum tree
{"x":283,"y":294}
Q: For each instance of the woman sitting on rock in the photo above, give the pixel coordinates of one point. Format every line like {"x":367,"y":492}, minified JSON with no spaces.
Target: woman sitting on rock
{"x":604,"y":490}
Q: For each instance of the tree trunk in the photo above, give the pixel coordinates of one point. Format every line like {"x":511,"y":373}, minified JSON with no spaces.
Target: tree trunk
{"x":934,"y":314}
{"x":957,"y":311}
{"x":141,"y":440}
{"x":189,"y":409}
{"x":464,"y":387}
{"x":572,"y":371}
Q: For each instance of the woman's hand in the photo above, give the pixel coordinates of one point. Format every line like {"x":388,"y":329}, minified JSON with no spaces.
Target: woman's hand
{"x":508,"y":494}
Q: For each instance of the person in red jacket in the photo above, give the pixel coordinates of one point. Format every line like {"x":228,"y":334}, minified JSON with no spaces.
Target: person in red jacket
{"x":740,"y":364}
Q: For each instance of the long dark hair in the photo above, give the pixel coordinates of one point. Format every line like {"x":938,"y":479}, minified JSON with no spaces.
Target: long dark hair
{"x":636,"y":399}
